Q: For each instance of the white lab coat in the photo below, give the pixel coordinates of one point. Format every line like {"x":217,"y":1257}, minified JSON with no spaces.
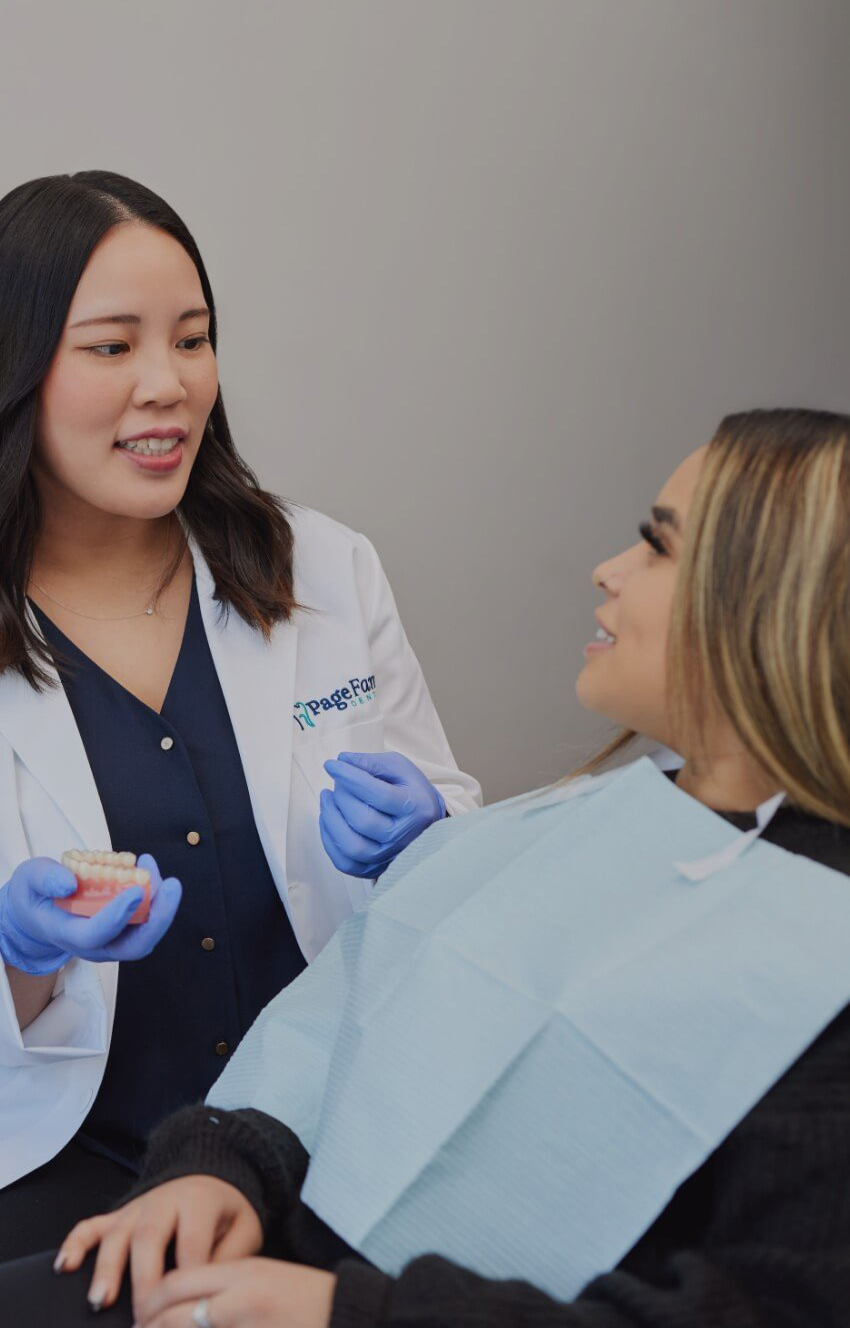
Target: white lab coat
{"x":348,"y":635}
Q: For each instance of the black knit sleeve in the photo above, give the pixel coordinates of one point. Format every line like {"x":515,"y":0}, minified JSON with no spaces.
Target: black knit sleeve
{"x":254,"y":1152}
{"x":736,"y":1292}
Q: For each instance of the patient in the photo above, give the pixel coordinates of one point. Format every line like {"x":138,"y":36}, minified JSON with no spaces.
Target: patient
{"x":585,"y":1060}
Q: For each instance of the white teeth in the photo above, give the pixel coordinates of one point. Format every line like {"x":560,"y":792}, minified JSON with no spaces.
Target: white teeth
{"x":151,"y":446}
{"x":602,"y":635}
{"x":99,"y":865}
{"x":103,"y":857}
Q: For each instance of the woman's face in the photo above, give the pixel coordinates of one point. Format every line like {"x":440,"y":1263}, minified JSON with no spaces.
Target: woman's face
{"x":133,"y":360}
{"x":625,"y":675}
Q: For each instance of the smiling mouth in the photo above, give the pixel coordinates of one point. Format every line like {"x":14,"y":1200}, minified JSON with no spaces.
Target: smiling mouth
{"x":150,"y":446}
{"x":605,"y":637}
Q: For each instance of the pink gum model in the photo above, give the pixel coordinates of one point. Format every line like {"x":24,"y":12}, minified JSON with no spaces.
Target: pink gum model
{"x":102,"y":876}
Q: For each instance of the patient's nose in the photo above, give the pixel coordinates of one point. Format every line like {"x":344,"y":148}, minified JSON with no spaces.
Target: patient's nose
{"x":605,"y":577}
{"x":610,"y":575}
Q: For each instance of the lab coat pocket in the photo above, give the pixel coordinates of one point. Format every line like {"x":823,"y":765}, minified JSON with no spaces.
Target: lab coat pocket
{"x":341,"y":894}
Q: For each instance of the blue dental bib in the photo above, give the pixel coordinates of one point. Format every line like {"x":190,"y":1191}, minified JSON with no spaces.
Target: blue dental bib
{"x":541,"y":1026}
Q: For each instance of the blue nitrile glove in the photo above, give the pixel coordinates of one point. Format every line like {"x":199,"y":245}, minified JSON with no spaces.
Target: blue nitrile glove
{"x":380,"y":803}
{"x":37,"y":937}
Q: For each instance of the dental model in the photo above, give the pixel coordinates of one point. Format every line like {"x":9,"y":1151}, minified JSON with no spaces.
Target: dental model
{"x":102,"y":876}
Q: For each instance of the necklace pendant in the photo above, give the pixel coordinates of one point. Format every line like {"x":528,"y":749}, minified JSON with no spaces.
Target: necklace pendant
{"x":149,"y":610}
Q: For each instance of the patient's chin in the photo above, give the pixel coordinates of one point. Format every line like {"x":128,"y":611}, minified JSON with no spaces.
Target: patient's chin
{"x":591,"y":691}
{"x":597,"y":695}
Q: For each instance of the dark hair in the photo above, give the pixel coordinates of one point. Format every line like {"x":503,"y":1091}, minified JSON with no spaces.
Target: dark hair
{"x":48,"y":231}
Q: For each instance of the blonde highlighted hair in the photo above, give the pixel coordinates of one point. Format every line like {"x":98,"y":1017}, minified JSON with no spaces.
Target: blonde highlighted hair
{"x":761,"y":614}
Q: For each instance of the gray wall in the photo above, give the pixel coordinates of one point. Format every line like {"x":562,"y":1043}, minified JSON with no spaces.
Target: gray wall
{"x":486,"y":270}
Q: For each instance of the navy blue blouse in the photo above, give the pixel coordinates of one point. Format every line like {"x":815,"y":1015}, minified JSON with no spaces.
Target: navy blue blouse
{"x":172,"y":784}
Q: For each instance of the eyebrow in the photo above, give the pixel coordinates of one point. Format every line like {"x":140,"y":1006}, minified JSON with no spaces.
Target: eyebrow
{"x":666,"y":516}
{"x":134,"y":318}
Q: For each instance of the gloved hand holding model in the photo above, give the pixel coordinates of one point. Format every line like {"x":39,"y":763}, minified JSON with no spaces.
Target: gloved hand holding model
{"x":380,"y":803}
{"x":37,"y":937}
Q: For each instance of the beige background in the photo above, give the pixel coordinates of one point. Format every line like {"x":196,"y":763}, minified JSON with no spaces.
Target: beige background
{"x":486,"y":269}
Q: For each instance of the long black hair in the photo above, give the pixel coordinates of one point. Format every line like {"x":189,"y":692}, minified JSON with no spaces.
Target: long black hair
{"x":48,"y":230}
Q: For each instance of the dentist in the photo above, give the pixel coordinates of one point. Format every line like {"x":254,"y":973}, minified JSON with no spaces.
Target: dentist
{"x":189,"y":669}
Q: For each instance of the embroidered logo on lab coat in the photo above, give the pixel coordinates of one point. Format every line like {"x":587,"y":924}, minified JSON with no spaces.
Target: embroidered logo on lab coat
{"x":357,"y":692}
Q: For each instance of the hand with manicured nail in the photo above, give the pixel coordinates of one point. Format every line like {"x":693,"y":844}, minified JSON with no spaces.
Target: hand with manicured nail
{"x":379,"y":804}
{"x":209,"y":1220}
{"x":37,"y":937}
{"x":245,"y":1293}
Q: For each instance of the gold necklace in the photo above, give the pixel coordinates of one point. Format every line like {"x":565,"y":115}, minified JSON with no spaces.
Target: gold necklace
{"x":147,"y":612}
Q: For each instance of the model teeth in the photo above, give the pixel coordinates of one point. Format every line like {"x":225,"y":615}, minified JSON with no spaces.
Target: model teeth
{"x":151,"y":446}
{"x":602,"y":635}
{"x":98,"y":865}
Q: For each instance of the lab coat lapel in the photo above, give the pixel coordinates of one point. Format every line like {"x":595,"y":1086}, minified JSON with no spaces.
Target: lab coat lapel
{"x":43,"y":732}
{"x":258,"y":681}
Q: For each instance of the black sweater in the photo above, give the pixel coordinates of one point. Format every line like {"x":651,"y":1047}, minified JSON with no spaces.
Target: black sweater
{"x":759,"y":1237}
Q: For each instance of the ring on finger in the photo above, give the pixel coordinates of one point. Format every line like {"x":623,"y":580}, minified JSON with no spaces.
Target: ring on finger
{"x":201,"y":1315}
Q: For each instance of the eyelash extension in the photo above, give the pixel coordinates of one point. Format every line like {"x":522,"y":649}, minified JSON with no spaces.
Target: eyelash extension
{"x":93,"y":350}
{"x":648,"y":534}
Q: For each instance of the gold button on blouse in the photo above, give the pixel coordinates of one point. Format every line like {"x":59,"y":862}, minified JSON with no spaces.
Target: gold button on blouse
{"x":166,"y":744}
{"x":221,"y":1049}
{"x":208,"y":943}
{"x":193,"y":837}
